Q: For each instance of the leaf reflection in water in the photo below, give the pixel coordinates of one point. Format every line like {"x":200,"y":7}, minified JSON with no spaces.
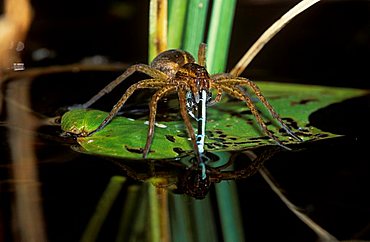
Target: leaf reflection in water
{"x":183,"y":176}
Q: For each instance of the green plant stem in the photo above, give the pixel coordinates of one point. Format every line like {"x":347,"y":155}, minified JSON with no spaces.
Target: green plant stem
{"x":219,"y":33}
{"x":102,"y":209}
{"x":204,"y":221}
{"x":129,"y":213}
{"x":158,"y":209}
{"x":155,"y":231}
{"x":195,"y":25}
{"x":229,"y":210}
{"x":228,"y":206}
{"x":176,"y":22}
{"x":218,"y":42}
{"x":180,"y":218}
{"x":138,"y":227}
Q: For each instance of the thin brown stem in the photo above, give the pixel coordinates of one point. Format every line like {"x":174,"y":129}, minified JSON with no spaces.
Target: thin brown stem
{"x":202,"y":54}
{"x":269,"y":34}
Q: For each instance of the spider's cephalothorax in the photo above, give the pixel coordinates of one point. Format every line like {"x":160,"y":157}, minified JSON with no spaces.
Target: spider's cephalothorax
{"x":181,"y":69}
{"x":175,"y":71}
{"x":196,"y":77}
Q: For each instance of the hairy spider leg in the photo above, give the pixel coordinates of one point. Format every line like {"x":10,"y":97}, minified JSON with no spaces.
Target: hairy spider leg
{"x":189,"y":127}
{"x":152,"y":113}
{"x":248,"y":171}
{"x":236,"y":92}
{"x":160,"y":76}
{"x":218,"y":96}
{"x":245,"y":82}
{"x":148,"y":83}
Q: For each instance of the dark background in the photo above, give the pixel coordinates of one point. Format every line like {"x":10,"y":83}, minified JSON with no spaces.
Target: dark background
{"x":326,"y":45}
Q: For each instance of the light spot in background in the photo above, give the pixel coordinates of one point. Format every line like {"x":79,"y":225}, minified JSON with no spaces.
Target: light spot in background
{"x":20,"y":46}
{"x":18,"y":66}
{"x":95,"y":60}
{"x":42,"y":53}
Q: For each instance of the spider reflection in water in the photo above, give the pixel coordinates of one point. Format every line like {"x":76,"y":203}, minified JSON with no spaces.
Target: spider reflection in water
{"x":182,"y":178}
{"x":194,"y":183}
{"x":176,"y":71}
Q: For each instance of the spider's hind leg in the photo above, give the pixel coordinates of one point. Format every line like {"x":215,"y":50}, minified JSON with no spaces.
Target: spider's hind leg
{"x":272,"y":111}
{"x":239,"y":81}
{"x":238,"y":93}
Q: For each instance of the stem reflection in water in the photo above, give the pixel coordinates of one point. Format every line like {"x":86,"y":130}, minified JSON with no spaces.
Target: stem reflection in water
{"x":28,"y":215}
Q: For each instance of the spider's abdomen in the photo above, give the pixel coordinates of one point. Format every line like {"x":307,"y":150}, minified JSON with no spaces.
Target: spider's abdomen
{"x":170,"y":61}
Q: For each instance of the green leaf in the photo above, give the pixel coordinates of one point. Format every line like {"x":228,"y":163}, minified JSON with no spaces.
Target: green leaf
{"x":230,"y":126}
{"x":124,"y":137}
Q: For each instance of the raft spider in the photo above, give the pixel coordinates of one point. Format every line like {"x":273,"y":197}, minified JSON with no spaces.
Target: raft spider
{"x":176,"y":71}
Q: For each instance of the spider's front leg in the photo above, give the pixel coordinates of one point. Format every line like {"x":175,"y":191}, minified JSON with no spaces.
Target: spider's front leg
{"x":149,"y":83}
{"x":189,"y":127}
{"x":155,"y":74}
{"x":152,"y":113}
